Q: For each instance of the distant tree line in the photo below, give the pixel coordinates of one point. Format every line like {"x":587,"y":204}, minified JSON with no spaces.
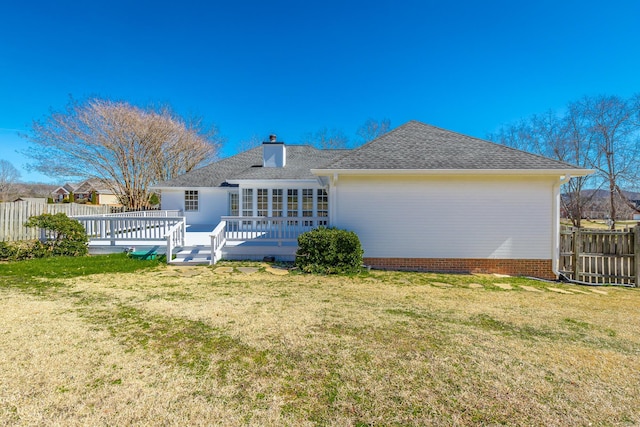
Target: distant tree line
{"x":333,"y":138}
{"x":596,"y":132}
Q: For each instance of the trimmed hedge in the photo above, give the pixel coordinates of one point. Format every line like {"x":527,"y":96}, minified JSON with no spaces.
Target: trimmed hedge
{"x":328,"y":251}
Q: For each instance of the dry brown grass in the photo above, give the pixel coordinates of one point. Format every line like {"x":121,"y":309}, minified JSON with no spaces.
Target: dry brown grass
{"x":192,"y":347}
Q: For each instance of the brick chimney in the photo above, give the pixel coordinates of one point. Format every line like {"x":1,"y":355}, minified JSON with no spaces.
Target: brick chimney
{"x":274,"y":153}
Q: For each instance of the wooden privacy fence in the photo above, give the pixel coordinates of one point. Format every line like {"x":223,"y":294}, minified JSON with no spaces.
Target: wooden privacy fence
{"x":600,"y":256}
{"x":13,"y":216}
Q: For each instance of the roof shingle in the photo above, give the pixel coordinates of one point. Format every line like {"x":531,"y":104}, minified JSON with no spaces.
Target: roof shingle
{"x":416,"y":145}
{"x":412,"y":146}
{"x":248,"y":165}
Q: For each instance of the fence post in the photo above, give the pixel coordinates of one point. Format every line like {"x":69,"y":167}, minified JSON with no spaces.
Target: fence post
{"x":636,"y":255}
{"x":577,"y":249}
{"x":112,"y":230}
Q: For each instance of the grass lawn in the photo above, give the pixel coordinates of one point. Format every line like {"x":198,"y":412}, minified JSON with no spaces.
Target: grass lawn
{"x":112,"y":341}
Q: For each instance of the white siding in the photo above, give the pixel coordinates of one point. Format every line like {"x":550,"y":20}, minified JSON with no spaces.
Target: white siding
{"x":448,"y":216}
{"x":213,"y":203}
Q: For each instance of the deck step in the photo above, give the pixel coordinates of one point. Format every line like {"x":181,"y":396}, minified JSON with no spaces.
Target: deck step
{"x":195,"y":255}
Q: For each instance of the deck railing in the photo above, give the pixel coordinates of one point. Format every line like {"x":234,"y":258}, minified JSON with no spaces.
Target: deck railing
{"x":269,"y":229}
{"x":218,"y":240}
{"x":170,"y":213}
{"x":112,"y":228}
{"x":175,"y":237}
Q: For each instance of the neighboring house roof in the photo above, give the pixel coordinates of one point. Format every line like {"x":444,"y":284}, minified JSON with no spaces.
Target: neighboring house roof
{"x":93,"y":184}
{"x":86,"y":186}
{"x":414,"y":146}
{"x":418,"y":146}
{"x":60,"y":190}
{"x":248,"y":166}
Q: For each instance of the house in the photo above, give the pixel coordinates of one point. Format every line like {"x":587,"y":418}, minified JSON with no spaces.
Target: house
{"x":419,"y":197}
{"x":61,"y":193}
{"x":85,"y":192}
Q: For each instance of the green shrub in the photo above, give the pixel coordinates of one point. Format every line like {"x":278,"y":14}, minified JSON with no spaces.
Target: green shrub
{"x":21,"y":250}
{"x":7,"y":251}
{"x":63,"y":235}
{"x":329,"y":250}
{"x":154,"y":199}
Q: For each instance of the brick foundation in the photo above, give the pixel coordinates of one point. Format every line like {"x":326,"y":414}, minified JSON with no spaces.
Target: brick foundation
{"x":541,"y":268}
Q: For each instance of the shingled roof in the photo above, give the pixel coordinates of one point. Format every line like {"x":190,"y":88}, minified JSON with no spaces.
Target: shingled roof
{"x":416,"y":145}
{"x":248,"y":165}
{"x":412,"y":146}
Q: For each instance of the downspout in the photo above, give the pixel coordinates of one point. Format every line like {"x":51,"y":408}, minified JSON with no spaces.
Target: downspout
{"x":333,"y":209}
{"x":556,"y":223}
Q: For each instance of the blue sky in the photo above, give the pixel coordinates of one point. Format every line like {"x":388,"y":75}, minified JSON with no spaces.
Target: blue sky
{"x":293,"y":67}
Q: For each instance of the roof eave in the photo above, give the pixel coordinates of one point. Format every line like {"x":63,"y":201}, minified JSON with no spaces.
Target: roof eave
{"x":553,"y":172}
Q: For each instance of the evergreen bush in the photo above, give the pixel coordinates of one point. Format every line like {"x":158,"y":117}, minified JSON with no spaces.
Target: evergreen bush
{"x":329,"y":250}
{"x":64,"y":236}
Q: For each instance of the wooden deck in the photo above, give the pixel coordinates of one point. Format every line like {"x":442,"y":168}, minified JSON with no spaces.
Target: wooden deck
{"x":235,"y":238}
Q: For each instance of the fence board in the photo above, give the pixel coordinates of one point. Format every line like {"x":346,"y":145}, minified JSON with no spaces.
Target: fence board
{"x":13,"y":215}
{"x":600,"y":256}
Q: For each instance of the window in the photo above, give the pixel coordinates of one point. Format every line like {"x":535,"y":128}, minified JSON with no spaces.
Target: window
{"x":191,"y":200}
{"x":234,"y":207}
{"x":292,"y":205}
{"x":307,"y":205}
{"x":307,"y":202}
{"x":276,"y":202}
{"x":247,"y":202}
{"x":263,"y":202}
{"x":292,"y":202}
{"x":323,"y":206}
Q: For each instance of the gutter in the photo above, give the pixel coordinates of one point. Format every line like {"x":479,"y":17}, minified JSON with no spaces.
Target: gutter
{"x":556,"y":172}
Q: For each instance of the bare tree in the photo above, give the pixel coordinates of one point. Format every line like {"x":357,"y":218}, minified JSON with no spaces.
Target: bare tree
{"x":252,"y":142}
{"x":371,"y":129}
{"x":9,"y":177}
{"x":612,"y":127}
{"x":600,"y":132}
{"x":127,"y":147}
{"x":561,"y":137}
{"x":326,"y":139}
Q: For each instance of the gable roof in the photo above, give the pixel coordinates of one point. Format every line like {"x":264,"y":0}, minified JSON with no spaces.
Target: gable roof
{"x":248,"y":166}
{"x":418,"y":146}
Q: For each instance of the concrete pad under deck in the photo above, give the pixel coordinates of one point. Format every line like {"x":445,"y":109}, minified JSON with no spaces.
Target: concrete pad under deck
{"x":256,"y":251}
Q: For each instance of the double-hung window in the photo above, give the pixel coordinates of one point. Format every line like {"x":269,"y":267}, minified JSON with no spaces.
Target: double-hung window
{"x":276,"y":202}
{"x":263,"y":202}
{"x":247,"y":204}
{"x":234,"y":204}
{"x":292,"y":204}
{"x":307,"y":205}
{"x":191,"y":200}
{"x":322,"y":206}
